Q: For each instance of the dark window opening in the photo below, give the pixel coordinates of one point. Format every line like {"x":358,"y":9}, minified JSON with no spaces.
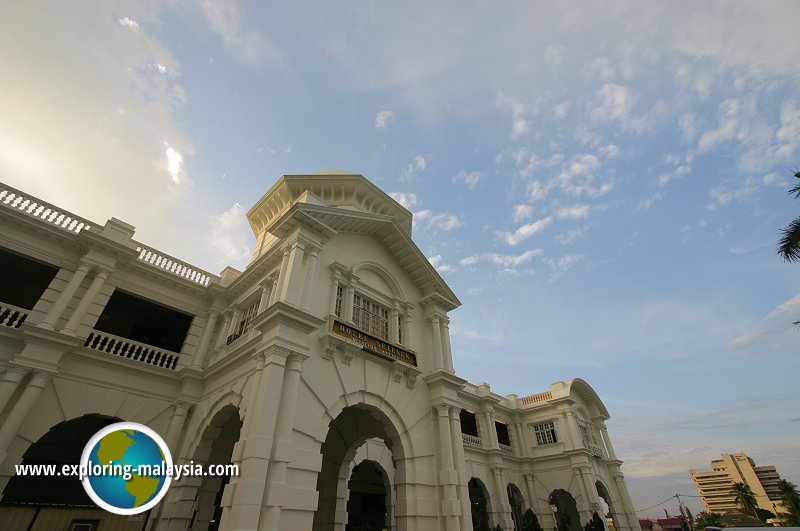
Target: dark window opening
{"x":140,"y":320}
{"x":502,"y":433}
{"x":62,"y":445}
{"x":469,"y":423}
{"x":22,"y":279}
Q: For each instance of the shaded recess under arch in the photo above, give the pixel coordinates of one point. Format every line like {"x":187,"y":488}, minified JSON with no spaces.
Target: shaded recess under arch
{"x":62,"y":445}
{"x":517,"y":503}
{"x":566,"y":511}
{"x":346,"y":433}
{"x":479,"y":502}
{"x":368,"y":505}
{"x":215,"y":448}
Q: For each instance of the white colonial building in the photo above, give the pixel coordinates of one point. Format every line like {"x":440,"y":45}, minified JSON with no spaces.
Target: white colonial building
{"x":323,"y":369}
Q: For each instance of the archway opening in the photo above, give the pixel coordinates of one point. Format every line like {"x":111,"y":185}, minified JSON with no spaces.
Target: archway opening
{"x":217,"y":444}
{"x":608,"y":506}
{"x":566,"y":511}
{"x":340,"y":492}
{"x":479,"y":501}
{"x":517,"y":502}
{"x":367,"y":506}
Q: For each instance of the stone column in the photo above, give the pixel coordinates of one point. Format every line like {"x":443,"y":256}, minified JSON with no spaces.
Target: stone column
{"x":283,"y":273}
{"x":266,"y":291}
{"x":447,"y":475}
{"x":522,"y":446}
{"x":572,"y":428}
{"x":223,"y":330}
{"x":491,"y":431}
{"x":349,"y":292}
{"x":334,"y":291}
{"x":244,"y":495}
{"x":88,"y":298}
{"x":63,"y":299}
{"x":438,"y":362}
{"x":625,"y":499}
{"x":394,"y":332}
{"x":175,"y":427}
{"x":205,"y":339}
{"x":460,"y":466}
{"x":541,"y":508}
{"x":607,"y":440}
{"x":308,"y":279}
{"x":583,"y":475}
{"x":275,"y":487}
{"x":21,"y":410}
{"x":292,"y":285}
{"x":502,"y":505}
{"x":447,"y":355}
{"x":9,"y":384}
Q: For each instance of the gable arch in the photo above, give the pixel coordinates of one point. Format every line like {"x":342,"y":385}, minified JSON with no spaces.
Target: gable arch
{"x":596,"y":408}
{"x":383,"y":274}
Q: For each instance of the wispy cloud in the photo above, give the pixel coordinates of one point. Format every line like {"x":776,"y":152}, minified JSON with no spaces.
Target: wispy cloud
{"x":244,"y":43}
{"x":526,"y":231}
{"x":506,"y":263}
{"x":383,"y":119}
{"x":470,"y":178}
{"x":439,"y":264}
{"x":417,"y":165}
{"x":436,"y":221}
{"x":408,"y":200}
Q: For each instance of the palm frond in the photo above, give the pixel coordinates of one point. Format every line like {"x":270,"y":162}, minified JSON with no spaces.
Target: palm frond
{"x":789,"y":244}
{"x":795,"y":190}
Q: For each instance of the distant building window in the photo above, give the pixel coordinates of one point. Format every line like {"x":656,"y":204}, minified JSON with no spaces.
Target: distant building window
{"x":371,"y":317}
{"x":545,"y":433}
{"x":249,"y":314}
{"x":469,"y":423}
{"x":339,"y":300}
{"x":502,"y":433}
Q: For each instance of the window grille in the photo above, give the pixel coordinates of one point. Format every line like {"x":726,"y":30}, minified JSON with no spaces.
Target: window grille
{"x":339,"y":300}
{"x":249,"y":315}
{"x":371,"y":317}
{"x":545,"y":433}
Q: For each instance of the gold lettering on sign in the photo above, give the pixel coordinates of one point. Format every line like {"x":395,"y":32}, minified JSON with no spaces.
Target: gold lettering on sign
{"x":373,"y":344}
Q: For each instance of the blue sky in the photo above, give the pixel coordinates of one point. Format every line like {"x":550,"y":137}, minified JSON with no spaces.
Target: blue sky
{"x":602,"y":185}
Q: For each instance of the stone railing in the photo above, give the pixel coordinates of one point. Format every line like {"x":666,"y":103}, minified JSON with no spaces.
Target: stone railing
{"x":41,"y":210}
{"x":471,"y":440}
{"x":506,"y":448}
{"x":595,"y":449}
{"x":538,"y":397}
{"x":172,"y":265}
{"x":12,"y":316}
{"x":129,"y":349}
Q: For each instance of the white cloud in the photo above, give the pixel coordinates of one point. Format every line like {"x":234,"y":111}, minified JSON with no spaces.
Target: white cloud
{"x":438,"y":263}
{"x":407,"y":200}
{"x":522,"y":212}
{"x":416,"y":166}
{"x":648,"y":202}
{"x":174,"y":164}
{"x":526,"y":231}
{"x":561,"y":265}
{"x":573,"y":212}
{"x":520,"y":126}
{"x":383,"y":119}
{"x":128,"y":22}
{"x":471,"y":178}
{"x":506,"y":263}
{"x":571,"y":236}
{"x":560,"y":111}
{"x":774,"y":333}
{"x":229,"y":236}
{"x":612,"y":103}
{"x":436,"y":222}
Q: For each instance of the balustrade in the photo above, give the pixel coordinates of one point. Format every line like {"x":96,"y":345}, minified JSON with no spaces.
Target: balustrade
{"x":471,"y":440}
{"x":12,"y":316}
{"x":129,"y":349}
{"x":42,"y":210}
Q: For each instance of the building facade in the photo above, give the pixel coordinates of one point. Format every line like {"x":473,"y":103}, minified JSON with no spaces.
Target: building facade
{"x":324,"y":370}
{"x":715,"y":485}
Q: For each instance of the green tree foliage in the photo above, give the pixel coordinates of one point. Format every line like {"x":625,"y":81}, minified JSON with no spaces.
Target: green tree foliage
{"x":791,"y":501}
{"x":745,"y":498}
{"x":595,"y":524}
{"x":530,"y":522}
{"x":702,"y":520}
{"x":789,"y":244}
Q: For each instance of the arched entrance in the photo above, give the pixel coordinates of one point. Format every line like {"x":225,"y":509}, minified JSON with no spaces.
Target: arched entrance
{"x":215,"y":448}
{"x":602,"y":491}
{"x":479,"y":501}
{"x":31,"y":498}
{"x":566,"y":510}
{"x":339,"y":490}
{"x":368,"y":503}
{"x":517,"y":502}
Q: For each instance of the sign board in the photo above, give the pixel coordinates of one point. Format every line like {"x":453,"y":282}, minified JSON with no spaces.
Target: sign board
{"x":373,"y":344}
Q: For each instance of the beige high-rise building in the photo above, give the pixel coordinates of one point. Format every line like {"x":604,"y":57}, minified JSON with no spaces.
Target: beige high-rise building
{"x":715,"y":485}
